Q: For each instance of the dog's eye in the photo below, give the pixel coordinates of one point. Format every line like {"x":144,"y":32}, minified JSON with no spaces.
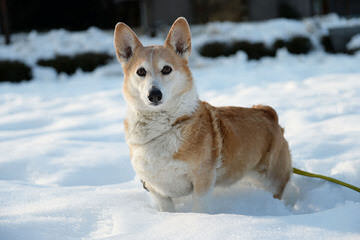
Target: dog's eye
{"x":166,"y":70}
{"x":141,"y":72}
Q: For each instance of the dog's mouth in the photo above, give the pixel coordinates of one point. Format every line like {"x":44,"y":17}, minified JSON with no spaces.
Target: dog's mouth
{"x":155,"y":104}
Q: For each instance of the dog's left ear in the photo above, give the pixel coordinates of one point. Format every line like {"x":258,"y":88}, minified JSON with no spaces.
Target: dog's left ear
{"x":179,"y":38}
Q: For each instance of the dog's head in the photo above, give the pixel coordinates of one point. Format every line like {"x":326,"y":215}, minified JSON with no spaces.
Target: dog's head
{"x":155,"y":76}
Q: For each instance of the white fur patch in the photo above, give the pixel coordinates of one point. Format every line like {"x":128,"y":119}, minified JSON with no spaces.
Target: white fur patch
{"x":154,"y":140}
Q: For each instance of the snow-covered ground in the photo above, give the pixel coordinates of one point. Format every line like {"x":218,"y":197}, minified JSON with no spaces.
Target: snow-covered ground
{"x":65,"y":171}
{"x":354,"y":42}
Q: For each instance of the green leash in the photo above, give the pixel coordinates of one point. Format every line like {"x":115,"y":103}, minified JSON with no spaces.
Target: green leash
{"x":307,"y":174}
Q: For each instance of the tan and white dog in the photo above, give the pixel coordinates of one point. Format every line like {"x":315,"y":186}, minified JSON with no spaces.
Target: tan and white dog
{"x":180,"y":145}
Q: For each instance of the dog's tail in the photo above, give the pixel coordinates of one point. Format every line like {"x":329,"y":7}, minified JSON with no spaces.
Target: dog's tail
{"x":269,"y":111}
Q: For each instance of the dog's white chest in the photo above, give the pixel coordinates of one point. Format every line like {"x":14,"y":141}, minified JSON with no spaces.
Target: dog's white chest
{"x":153,"y":162}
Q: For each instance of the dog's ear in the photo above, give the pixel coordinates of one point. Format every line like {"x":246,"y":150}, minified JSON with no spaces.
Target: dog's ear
{"x":179,"y":38}
{"x":125,"y":41}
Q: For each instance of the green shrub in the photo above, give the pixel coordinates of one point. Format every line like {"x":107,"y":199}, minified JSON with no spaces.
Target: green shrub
{"x":353,"y":51}
{"x":89,"y":61}
{"x":279,"y":43}
{"x":296,"y":45}
{"x":14,"y":71}
{"x":299,"y":45}
{"x":253,"y":50}
{"x":60,"y":63}
{"x":329,"y":48}
{"x":327,"y":45}
{"x":216,"y":49}
{"x":69,"y":64}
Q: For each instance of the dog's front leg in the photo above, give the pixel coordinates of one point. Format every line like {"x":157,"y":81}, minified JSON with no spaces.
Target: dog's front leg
{"x":203,"y":183}
{"x":165,"y":204}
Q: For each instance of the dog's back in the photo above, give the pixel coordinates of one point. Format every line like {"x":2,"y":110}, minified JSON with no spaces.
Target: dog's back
{"x":238,"y":140}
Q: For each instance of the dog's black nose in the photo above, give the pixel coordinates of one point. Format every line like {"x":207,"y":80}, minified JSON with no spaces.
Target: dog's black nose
{"x":155,"y":95}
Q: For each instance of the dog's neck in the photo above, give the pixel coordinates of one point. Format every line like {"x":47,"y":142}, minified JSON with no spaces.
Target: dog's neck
{"x":147,"y":125}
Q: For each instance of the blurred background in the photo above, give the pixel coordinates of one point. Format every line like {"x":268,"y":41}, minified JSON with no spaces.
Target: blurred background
{"x":22,"y":15}
{"x":153,"y":17}
{"x":65,"y":170}
{"x":43,"y":15}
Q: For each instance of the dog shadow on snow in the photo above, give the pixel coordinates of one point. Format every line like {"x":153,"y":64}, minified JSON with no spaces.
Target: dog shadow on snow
{"x":301,"y":196}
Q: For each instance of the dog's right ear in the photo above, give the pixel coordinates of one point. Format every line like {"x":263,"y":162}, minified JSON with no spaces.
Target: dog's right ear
{"x":125,"y":41}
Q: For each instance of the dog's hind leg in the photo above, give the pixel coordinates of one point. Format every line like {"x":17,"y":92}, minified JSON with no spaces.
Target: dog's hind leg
{"x":280,"y":170}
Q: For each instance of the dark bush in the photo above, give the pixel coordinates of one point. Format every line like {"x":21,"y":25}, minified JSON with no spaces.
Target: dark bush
{"x":89,"y":61}
{"x":60,"y":63}
{"x":279,"y":43}
{"x":14,"y":71}
{"x":352,"y":51}
{"x":327,"y":45}
{"x":216,"y":49}
{"x":329,"y":48}
{"x":296,"y":45}
{"x":69,"y":64}
{"x":299,"y":45}
{"x":253,"y":50}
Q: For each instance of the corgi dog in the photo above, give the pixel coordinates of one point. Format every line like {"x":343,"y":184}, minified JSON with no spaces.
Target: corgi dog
{"x":180,"y":145}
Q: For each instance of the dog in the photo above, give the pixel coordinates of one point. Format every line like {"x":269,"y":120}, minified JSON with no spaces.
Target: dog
{"x":180,"y":145}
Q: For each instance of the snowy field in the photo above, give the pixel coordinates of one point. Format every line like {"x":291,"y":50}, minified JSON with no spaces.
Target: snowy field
{"x":65,"y":171}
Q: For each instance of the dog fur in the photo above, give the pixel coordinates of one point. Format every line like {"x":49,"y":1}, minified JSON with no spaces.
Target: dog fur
{"x":185,"y":146}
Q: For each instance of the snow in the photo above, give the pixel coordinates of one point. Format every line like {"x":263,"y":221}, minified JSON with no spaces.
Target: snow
{"x":354,"y":42}
{"x":269,"y":31}
{"x":252,"y":31}
{"x":65,"y":171}
{"x":334,"y":21}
